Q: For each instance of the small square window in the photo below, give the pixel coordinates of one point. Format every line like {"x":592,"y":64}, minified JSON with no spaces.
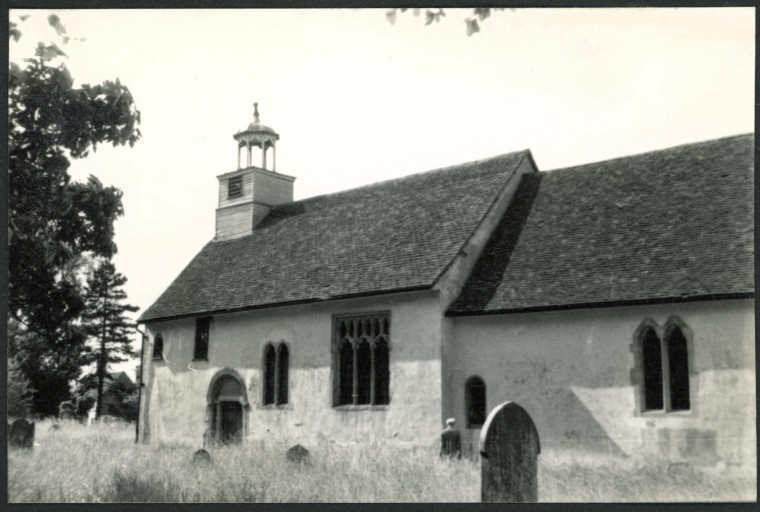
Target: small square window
{"x":235,"y":187}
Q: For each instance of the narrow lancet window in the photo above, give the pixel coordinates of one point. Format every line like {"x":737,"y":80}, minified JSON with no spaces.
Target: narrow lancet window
{"x":678,"y":367}
{"x":652,"y":353}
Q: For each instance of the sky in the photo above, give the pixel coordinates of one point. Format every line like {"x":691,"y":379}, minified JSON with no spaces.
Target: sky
{"x":356,"y":99}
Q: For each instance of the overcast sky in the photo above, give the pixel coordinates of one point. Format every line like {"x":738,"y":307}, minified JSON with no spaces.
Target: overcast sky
{"x":357,"y":100}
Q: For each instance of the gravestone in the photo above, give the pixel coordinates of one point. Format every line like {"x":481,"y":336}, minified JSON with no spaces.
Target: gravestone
{"x":298,"y":454}
{"x":21,"y":434}
{"x":201,"y":458}
{"x":509,"y":448}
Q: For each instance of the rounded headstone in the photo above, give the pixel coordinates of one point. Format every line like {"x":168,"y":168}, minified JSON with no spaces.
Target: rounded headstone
{"x":509,"y":450}
{"x":297,"y":454}
{"x":201,"y":458}
{"x":21,"y":434}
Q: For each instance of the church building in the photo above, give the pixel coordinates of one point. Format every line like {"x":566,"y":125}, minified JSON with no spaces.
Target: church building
{"x":614,"y":301}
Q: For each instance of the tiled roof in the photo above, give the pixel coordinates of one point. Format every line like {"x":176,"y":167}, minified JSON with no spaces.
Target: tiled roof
{"x":675,"y":224}
{"x":395,"y":235}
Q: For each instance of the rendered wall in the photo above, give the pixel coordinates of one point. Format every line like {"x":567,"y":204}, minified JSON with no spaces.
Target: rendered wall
{"x":175,"y":392}
{"x":574,"y":372}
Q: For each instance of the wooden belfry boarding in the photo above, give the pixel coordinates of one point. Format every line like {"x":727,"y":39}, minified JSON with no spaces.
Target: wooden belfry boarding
{"x":509,"y":450}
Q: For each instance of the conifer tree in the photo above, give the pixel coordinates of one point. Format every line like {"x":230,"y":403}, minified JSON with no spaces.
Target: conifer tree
{"x":106,"y":323}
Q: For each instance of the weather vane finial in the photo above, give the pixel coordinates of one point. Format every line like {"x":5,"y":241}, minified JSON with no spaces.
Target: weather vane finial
{"x":256,"y":112}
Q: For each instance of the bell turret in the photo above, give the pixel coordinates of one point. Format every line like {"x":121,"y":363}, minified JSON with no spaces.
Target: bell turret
{"x":247,"y":194}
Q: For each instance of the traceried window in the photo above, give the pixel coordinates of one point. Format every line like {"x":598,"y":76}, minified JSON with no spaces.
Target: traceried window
{"x":361,"y":360}
{"x":202,"y":327}
{"x":475,"y":401}
{"x":158,"y":347}
{"x":276,"y":364}
{"x":665,"y":369}
{"x":235,"y":187}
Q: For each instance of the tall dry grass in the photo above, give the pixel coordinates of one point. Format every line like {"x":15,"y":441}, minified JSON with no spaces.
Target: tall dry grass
{"x":103,"y":464}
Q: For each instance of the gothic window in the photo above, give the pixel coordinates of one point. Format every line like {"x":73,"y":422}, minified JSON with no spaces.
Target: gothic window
{"x":276,"y":363}
{"x":283,"y":361}
{"x":652,"y":355}
{"x":158,"y":347}
{"x":235,"y":187}
{"x":361,"y":360}
{"x":202,"y":326}
{"x":678,"y":366}
{"x":269,"y":371}
{"x":475,"y":402}
{"x":665,"y":368}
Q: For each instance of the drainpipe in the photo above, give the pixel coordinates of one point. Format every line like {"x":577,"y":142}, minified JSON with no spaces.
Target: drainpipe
{"x":140,"y":383}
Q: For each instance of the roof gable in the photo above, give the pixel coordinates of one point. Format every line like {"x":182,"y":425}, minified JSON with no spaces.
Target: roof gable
{"x":390,"y":236}
{"x":663,"y":225}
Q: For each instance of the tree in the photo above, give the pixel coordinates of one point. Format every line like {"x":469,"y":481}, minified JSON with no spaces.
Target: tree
{"x":472,"y":23}
{"x":53,"y":220}
{"x":105,"y":321}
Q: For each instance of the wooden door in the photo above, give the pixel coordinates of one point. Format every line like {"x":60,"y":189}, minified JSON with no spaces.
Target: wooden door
{"x":232,"y":422}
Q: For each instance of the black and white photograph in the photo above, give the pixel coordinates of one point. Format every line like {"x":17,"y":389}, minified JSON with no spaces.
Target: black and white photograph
{"x":386,"y":255}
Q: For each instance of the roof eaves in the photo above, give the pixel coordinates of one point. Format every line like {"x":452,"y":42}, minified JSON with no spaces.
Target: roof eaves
{"x":271,"y":305}
{"x":609,"y":304}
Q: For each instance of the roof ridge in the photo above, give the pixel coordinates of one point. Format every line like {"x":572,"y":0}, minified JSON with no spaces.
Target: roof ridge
{"x":402,"y":178}
{"x":651,"y":152}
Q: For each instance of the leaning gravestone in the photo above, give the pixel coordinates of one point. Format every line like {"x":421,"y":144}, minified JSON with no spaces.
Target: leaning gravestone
{"x":298,"y":454}
{"x":201,"y":458}
{"x":21,"y":434}
{"x":509,"y":447}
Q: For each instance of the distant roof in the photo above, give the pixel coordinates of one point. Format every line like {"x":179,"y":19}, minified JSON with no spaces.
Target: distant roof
{"x":120,"y":377}
{"x":675,"y":224}
{"x":391,"y":236}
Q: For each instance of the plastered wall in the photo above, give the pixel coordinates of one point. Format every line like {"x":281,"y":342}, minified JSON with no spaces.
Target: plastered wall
{"x":574,"y":372}
{"x":175,"y":392}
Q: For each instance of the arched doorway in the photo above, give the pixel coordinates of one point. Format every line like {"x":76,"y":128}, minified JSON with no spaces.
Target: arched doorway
{"x":227,"y":402}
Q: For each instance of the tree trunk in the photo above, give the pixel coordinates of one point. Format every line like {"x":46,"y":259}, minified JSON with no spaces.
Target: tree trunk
{"x":101,"y":368}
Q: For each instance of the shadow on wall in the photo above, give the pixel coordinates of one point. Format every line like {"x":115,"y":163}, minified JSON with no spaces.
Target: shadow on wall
{"x":578,"y":426}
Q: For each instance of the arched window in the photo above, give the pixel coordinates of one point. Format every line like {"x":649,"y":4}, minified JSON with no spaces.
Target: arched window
{"x":269,"y":374}
{"x":276,"y":363}
{"x":678,"y":368}
{"x":664,"y":363}
{"x":158,"y":347}
{"x":283,"y":361}
{"x":652,"y":358}
{"x":475,"y":402}
{"x":361,"y":360}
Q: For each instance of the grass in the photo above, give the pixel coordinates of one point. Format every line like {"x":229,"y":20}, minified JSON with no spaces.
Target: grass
{"x":103,"y":464}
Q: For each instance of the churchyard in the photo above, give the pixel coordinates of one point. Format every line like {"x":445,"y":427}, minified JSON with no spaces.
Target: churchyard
{"x":101,"y":463}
